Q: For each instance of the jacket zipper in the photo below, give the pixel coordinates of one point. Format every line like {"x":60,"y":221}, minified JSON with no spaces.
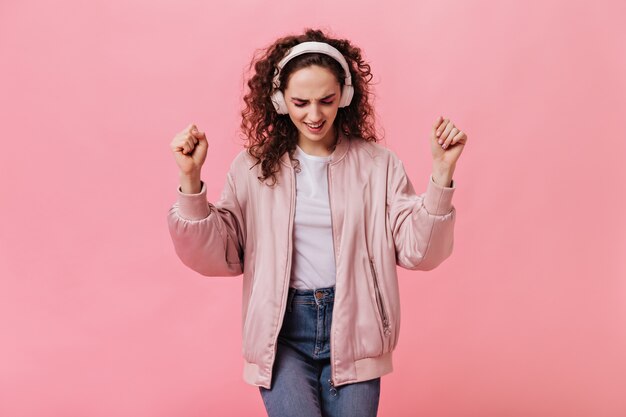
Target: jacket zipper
{"x":379,"y":299}
{"x":332,"y":230}
{"x":288,"y":271}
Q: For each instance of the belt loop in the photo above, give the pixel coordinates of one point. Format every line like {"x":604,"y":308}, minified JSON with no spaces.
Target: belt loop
{"x":290,"y":299}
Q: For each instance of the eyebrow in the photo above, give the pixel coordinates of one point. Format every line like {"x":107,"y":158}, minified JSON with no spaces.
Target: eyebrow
{"x":323,"y":98}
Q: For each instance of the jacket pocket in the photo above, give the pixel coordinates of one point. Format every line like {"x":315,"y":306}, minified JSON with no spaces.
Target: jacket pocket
{"x":384,"y":317}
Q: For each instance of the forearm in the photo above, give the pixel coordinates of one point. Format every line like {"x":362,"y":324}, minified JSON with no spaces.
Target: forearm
{"x":190,"y":183}
{"x":442,"y":174}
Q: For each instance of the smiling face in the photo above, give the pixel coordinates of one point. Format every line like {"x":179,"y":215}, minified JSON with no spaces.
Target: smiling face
{"x":312,"y":97}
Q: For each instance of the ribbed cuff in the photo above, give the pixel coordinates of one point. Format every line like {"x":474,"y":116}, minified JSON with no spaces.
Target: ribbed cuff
{"x":193,"y":206}
{"x":438,"y":199}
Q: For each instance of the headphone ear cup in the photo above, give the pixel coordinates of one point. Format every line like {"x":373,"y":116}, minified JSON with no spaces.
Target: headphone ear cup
{"x":278,"y":99}
{"x":346,"y":95}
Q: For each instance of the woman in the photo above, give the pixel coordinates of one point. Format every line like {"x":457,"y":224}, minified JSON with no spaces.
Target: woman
{"x":315,"y":215}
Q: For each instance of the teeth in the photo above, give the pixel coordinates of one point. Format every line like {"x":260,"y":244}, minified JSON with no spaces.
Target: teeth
{"x":315,"y":126}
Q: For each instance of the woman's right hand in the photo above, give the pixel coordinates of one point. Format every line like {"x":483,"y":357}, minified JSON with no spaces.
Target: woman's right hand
{"x":190,"y":148}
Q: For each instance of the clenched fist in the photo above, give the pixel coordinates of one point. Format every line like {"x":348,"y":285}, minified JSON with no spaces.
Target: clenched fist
{"x":446,"y":142}
{"x":190,"y":149}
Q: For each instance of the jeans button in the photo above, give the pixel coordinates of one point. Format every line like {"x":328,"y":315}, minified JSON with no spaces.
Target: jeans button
{"x":319,"y":294}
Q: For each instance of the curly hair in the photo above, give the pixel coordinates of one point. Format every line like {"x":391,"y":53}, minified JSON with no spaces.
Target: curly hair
{"x":269,"y":134}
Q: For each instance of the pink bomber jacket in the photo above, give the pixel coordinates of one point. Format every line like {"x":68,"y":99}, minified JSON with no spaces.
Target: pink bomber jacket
{"x":378,"y":223}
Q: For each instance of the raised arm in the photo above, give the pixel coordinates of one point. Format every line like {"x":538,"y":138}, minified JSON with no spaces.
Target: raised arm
{"x":208,"y":238}
{"x":422,"y":225}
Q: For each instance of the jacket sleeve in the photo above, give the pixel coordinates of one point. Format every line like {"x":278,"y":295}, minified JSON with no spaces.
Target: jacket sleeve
{"x":207,"y":237}
{"x":422,"y":225}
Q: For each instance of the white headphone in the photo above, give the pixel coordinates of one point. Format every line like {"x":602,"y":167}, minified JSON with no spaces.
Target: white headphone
{"x":278,"y":99}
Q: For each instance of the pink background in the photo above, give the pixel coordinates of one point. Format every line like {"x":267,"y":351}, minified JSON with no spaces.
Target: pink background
{"x":99,"y":318}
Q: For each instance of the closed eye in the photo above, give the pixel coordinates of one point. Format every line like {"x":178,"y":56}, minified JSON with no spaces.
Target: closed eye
{"x":304,"y":104}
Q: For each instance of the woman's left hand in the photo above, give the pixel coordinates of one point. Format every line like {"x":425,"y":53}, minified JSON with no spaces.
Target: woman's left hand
{"x":452,"y":143}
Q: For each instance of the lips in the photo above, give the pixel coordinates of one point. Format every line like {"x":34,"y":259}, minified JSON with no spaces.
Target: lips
{"x":317,"y":129}
{"x":315,"y":126}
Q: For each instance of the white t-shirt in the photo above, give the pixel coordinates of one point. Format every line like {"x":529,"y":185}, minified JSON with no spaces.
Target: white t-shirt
{"x":313,"y":262}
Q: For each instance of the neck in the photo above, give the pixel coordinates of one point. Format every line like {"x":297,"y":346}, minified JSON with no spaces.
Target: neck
{"x":321,"y":148}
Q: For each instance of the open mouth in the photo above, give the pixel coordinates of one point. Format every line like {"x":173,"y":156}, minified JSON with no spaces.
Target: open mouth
{"x":315,"y":129}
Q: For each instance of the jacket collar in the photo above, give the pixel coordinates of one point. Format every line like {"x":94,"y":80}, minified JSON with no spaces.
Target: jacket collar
{"x":341,"y":148}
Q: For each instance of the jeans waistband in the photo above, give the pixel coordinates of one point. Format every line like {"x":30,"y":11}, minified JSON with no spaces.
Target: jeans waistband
{"x":318,"y":296}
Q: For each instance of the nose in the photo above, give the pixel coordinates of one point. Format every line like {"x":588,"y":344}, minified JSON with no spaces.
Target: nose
{"x":315,"y":113}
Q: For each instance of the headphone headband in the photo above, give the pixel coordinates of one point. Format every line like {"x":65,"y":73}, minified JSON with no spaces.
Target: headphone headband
{"x":313,"y":46}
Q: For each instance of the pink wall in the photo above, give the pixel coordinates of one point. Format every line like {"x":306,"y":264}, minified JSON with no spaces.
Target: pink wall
{"x":99,"y":318}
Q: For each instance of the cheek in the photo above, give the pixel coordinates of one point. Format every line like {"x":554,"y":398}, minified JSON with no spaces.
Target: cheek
{"x":296,"y":115}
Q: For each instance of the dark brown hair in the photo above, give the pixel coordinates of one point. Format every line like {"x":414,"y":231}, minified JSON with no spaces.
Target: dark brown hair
{"x":268,"y":134}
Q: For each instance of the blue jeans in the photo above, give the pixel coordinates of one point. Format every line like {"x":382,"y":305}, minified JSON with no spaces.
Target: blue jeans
{"x":301,"y":372}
